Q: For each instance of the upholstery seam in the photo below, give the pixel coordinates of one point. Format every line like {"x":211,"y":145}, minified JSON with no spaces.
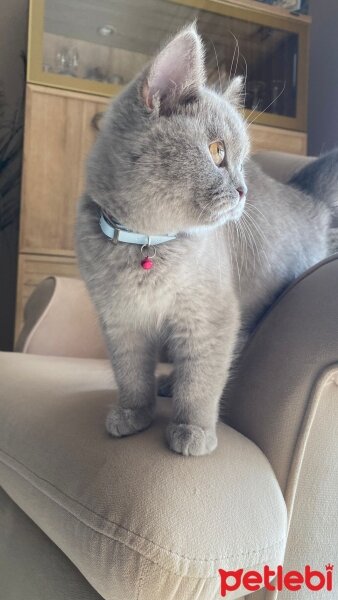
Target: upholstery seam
{"x":140,"y":581}
{"x":162,"y":568}
{"x":323,"y":379}
{"x":144,"y":558}
{"x":166,"y":550}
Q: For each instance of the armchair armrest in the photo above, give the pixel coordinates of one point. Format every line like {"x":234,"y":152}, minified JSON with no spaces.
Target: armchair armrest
{"x":285,"y":399}
{"x":59,"y":320}
{"x":134,"y":518}
{"x":295,"y":343}
{"x":281,"y":165}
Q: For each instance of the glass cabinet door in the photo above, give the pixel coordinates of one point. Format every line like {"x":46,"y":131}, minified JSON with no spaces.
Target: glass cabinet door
{"x":98,"y":46}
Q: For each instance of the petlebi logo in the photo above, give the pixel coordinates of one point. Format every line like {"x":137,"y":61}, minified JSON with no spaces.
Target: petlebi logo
{"x":277,"y":580}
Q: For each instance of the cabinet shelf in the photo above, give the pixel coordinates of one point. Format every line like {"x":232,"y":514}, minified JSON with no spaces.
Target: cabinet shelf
{"x":267,"y":9}
{"x":98,"y":47}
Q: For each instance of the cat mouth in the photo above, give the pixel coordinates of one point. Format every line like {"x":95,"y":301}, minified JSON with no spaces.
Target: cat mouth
{"x":228,"y":213}
{"x":236,"y":211}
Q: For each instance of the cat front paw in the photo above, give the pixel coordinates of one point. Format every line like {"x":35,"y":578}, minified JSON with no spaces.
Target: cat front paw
{"x":191,"y":440}
{"x":126,"y":421}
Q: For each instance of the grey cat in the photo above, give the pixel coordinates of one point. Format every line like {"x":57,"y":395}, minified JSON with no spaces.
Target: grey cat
{"x":172,"y":158}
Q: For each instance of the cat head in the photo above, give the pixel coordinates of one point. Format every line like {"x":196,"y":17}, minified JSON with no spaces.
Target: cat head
{"x":171,"y":151}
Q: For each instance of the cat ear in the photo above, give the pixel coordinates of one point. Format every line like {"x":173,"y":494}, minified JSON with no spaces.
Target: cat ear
{"x":234,"y":93}
{"x":177,"y":72}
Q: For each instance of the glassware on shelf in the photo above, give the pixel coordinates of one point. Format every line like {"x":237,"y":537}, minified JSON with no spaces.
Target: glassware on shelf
{"x":255,"y":95}
{"x":74,"y":61}
{"x":96,"y":73}
{"x":67,"y":61}
{"x":116,"y":79}
{"x":61,"y":63}
{"x":291,"y":5}
{"x":277,"y":101}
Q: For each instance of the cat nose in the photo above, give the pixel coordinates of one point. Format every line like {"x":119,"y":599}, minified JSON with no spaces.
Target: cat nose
{"x":241,"y":191}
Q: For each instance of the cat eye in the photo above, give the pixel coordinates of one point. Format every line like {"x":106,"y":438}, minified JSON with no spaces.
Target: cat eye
{"x":217,"y":151}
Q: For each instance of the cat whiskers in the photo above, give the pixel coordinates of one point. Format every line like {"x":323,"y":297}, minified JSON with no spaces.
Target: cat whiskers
{"x":265,"y":109}
{"x":236,"y":51}
{"x":219,"y":73}
{"x":230,"y":237}
{"x":244,"y":81}
{"x":257,"y":237}
{"x":255,"y":222}
{"x":243,"y":242}
{"x":230,"y":243}
{"x":254,"y":219}
{"x":219,"y":257}
{"x":254,"y":207}
{"x":251,"y":239}
{"x":201,"y":214}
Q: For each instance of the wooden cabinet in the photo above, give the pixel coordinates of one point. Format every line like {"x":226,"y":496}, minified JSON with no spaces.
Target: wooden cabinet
{"x":281,"y":140}
{"x":58,"y":135}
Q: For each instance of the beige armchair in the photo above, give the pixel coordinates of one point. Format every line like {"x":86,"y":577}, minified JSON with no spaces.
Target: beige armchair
{"x":85,"y":516}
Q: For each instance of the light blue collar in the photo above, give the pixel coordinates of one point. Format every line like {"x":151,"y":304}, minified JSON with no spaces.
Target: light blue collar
{"x":117,"y":233}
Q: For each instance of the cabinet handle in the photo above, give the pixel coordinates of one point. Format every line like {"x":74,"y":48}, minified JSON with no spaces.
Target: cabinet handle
{"x":95,"y":122}
{"x":294,"y":70}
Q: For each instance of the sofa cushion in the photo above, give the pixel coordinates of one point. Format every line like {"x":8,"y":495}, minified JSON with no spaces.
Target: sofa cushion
{"x":137,"y":520}
{"x":31,"y":566}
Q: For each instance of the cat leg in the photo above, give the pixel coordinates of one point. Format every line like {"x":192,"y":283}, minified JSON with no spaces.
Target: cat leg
{"x":165,"y":382}
{"x":202,"y":357}
{"x":133,"y":359}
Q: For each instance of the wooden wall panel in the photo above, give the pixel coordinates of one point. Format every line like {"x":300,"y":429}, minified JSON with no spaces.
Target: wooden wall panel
{"x":282,"y":140}
{"x":58,"y":136}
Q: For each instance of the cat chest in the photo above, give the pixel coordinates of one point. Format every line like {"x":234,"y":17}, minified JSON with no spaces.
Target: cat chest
{"x":141,"y":296}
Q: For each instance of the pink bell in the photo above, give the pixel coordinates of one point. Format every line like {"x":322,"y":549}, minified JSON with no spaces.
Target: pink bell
{"x":147,"y":263}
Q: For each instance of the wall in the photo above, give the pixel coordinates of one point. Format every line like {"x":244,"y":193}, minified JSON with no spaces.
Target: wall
{"x":323,"y":85}
{"x":13,"y":34}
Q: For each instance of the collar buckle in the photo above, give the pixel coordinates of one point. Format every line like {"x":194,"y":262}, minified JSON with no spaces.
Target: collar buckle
{"x":115,"y":238}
